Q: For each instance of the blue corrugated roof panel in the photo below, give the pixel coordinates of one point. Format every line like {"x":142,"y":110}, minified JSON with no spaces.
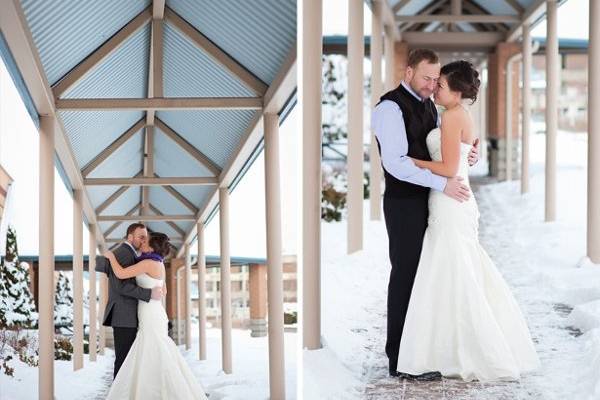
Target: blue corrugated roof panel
{"x":196,"y":194}
{"x":66,"y":32}
{"x":190,"y":72}
{"x":258,"y":34}
{"x":163,"y":227}
{"x":166,"y":203}
{"x":122,"y":74}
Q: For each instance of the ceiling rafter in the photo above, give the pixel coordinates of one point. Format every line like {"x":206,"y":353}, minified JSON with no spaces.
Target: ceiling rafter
{"x":151,"y":181}
{"x":110,"y":149}
{"x":113,"y":197}
{"x":172,"y":224}
{"x":189,"y":148}
{"x":161,"y":103}
{"x":184,"y":200}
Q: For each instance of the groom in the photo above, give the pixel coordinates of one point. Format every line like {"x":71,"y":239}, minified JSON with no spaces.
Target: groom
{"x":401,"y":121}
{"x":123,"y":295}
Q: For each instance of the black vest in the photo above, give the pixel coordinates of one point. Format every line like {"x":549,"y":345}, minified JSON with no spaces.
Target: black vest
{"x":420,"y":117}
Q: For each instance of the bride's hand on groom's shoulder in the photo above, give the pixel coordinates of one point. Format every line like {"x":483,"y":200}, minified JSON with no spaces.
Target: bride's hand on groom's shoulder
{"x":474,"y":153}
{"x":108,"y":254}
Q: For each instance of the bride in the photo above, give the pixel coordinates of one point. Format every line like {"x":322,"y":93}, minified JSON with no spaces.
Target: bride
{"x":462,"y":319}
{"x":154,"y":368}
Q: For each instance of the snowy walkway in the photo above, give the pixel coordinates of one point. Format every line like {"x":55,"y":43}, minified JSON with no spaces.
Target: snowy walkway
{"x":249,"y":380}
{"x":537,"y":259}
{"x":554,"y":340}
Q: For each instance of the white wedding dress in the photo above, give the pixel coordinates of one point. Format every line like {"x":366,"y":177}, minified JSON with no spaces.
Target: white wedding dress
{"x":462,"y":319}
{"x":154,"y":367}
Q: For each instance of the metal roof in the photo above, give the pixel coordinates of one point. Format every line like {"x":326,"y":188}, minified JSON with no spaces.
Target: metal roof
{"x":489,"y":22}
{"x":256,"y":35}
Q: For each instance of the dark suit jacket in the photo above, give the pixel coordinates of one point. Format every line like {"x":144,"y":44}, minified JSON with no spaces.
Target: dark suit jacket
{"x":123,"y":294}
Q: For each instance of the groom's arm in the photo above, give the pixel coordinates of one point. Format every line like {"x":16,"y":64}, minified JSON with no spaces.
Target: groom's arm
{"x":128,"y":287}
{"x":102,"y":264}
{"x":390,"y":131}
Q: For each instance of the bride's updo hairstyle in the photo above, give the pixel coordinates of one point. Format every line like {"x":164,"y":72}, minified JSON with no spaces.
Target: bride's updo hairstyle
{"x":159,"y":243}
{"x":462,"y":77}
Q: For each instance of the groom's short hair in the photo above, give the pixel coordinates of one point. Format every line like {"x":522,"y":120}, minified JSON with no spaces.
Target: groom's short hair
{"x":131,"y":228}
{"x":417,"y":55}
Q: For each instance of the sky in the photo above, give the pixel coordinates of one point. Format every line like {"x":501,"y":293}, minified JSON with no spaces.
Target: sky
{"x":572,"y":19}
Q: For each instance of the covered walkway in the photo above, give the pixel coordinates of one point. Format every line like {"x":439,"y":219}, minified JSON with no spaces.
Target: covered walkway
{"x":151,"y":111}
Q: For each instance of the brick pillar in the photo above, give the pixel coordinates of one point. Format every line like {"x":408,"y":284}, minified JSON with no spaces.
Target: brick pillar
{"x":34,"y":283}
{"x":400,"y":59}
{"x":496,"y":109}
{"x":258,"y":300}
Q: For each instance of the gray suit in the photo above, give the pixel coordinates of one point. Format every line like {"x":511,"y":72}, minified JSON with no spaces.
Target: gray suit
{"x":123,"y":294}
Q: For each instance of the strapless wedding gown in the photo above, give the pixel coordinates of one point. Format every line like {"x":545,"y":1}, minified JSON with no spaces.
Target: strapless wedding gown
{"x":154,"y":367}
{"x":462,"y":319}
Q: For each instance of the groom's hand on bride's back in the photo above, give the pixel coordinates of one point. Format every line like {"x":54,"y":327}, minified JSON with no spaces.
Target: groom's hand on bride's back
{"x":157,"y":293}
{"x":455,"y":189}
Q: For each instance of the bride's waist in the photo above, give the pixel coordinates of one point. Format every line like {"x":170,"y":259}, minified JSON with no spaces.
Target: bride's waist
{"x":445,"y":207}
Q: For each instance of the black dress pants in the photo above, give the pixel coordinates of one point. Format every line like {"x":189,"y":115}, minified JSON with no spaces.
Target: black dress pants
{"x":406,"y":222}
{"x":124,"y":338}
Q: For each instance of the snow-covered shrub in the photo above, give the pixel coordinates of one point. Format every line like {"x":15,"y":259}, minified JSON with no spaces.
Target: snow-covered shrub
{"x":17,"y":308}
{"x":17,"y":344}
{"x":63,"y":303}
{"x":63,"y":348}
{"x":334,"y":188}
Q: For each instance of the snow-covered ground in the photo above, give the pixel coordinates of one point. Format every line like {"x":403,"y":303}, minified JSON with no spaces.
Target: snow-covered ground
{"x":558,"y":291}
{"x":249,"y":380}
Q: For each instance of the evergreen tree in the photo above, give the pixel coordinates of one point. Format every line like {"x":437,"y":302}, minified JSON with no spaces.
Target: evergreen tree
{"x":17,"y":308}
{"x":63,"y":302}
{"x":334,"y":99}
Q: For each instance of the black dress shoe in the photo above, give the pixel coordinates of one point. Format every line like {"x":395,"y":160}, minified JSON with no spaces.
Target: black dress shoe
{"x":394,"y":373}
{"x":426,"y":377}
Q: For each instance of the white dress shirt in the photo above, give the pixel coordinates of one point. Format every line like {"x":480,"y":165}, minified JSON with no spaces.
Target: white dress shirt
{"x":388,"y":124}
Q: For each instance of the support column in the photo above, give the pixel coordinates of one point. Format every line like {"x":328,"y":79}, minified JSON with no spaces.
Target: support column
{"x":103,"y":301}
{"x":178,"y":306}
{"x":483,"y":137}
{"x":356,"y":51}
{"x":93,"y":304}
{"x":201,"y":292}
{"x":455,"y":9}
{"x":274,"y":257}
{"x":390,"y":66}
{"x":593,"y":219}
{"x":509,"y":126}
{"x":309,"y":81}
{"x":375,"y":170}
{"x":77,"y":280}
{"x":225,"y":281}
{"x":46,"y":260}
{"x":552,"y":88}
{"x":188,"y":298}
{"x":526,"y":122}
